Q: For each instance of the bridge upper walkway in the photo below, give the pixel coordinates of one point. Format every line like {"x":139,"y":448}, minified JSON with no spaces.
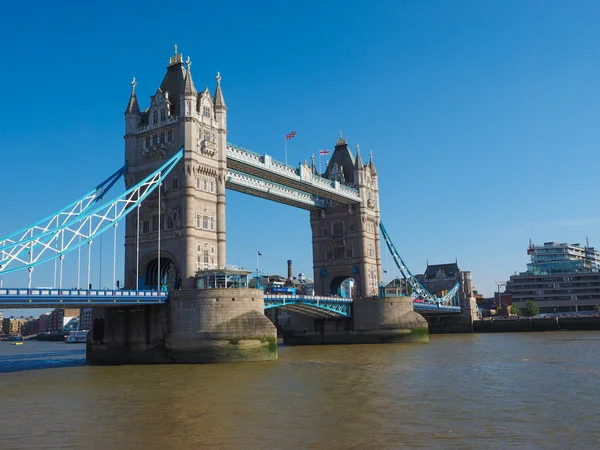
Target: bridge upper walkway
{"x":264,"y":167}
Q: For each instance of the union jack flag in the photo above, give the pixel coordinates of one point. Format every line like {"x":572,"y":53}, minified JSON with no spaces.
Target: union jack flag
{"x":289,"y":136}
{"x":324,"y":152}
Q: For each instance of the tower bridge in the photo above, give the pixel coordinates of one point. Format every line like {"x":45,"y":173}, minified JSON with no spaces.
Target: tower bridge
{"x":178,"y":168}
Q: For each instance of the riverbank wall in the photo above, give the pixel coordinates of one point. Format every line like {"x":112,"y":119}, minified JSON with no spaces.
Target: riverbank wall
{"x":527,"y":324}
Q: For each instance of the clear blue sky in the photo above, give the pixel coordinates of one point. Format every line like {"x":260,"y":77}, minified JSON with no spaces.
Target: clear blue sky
{"x":482,"y":115}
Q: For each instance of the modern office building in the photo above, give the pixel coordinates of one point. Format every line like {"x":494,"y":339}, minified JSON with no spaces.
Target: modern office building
{"x":560,"y":278}
{"x":553,"y":257}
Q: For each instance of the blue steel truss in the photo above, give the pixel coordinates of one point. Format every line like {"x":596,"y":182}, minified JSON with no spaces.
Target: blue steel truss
{"x":64,"y":215}
{"x":333,"y":306}
{"x":36,"y":298}
{"x":418,"y":290}
{"x":83,"y":228}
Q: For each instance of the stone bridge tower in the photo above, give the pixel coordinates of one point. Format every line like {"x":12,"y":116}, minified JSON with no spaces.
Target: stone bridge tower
{"x":346,"y":240}
{"x":192,"y":199}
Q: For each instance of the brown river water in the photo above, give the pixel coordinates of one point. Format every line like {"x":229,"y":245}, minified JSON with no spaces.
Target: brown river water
{"x":526,"y":390}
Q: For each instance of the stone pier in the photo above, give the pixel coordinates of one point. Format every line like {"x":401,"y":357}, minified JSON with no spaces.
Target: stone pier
{"x":196,"y":326}
{"x":374,"y":321}
{"x":460,"y":323}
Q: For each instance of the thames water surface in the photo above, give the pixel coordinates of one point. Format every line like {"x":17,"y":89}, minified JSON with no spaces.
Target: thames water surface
{"x":528,"y":390}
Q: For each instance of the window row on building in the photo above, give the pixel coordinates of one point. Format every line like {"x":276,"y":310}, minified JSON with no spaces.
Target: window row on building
{"x":339,"y":253}
{"x":150,"y":225}
{"x":338,"y":229}
{"x":158,"y":138}
{"x":205,"y":222}
{"x":206,"y":258}
{"x":206,"y":184}
{"x":207,"y":135}
{"x":155,"y":114}
{"x":372,"y":277}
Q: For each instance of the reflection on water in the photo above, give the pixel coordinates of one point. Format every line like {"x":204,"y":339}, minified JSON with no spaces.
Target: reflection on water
{"x":34,"y":355}
{"x":533,"y":390}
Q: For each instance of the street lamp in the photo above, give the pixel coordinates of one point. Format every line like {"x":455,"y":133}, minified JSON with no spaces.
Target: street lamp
{"x":500,"y":283}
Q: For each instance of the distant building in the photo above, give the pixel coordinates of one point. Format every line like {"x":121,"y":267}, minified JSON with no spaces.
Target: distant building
{"x":32,"y":326}
{"x":71,"y":325}
{"x":85,"y":319}
{"x":397,"y":288}
{"x":12,"y":325}
{"x":439,"y":279}
{"x":559,"y":278}
{"x":45,"y":323}
{"x":54,"y":322}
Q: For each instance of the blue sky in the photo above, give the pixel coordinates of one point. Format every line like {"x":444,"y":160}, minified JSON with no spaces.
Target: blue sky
{"x":482,"y":116}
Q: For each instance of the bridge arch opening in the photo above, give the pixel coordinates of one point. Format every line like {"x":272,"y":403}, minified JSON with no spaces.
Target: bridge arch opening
{"x":344,"y":286}
{"x":169,"y":275}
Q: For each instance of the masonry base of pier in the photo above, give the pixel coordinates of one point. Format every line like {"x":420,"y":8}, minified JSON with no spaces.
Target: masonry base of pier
{"x":449,"y":324}
{"x":196,"y":326}
{"x":374,"y":321}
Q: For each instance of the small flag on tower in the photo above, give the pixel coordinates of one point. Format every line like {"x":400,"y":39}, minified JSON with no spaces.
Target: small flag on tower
{"x":289,"y":136}
{"x":324,"y":152}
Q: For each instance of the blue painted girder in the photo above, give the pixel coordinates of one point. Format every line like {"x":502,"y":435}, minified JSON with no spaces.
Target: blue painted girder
{"x":81,"y":298}
{"x":329,"y":306}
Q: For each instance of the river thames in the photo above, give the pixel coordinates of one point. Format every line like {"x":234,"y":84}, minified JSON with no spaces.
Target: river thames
{"x":532,"y":390}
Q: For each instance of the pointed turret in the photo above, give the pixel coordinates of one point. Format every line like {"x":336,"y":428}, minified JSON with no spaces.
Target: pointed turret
{"x":219,"y":104}
{"x":372,"y":164}
{"x":133,"y":114}
{"x":358,"y":167}
{"x":188,"y":85}
{"x":188,"y":102}
{"x":133,"y":107}
{"x":342,"y":157}
{"x":358,"y":164}
{"x":218,"y":98}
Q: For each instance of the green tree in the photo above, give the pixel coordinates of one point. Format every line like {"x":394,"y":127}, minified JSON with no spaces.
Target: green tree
{"x":514,"y":310}
{"x":531,"y":308}
{"x":597,"y":308}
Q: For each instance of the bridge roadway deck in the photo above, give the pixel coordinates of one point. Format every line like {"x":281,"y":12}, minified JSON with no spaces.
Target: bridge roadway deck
{"x":77,"y":298}
{"x":264,"y":167}
{"x":317,"y":306}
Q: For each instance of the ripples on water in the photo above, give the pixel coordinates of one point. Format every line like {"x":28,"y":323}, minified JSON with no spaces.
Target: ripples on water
{"x":533,"y":390}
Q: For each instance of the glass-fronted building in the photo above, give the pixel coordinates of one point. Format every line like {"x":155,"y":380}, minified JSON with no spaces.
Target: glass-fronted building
{"x":222,"y":278}
{"x":560,"y":278}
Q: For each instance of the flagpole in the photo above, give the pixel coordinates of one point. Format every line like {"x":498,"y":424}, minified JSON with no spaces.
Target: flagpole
{"x":285,"y":144}
{"x":320,"y":167}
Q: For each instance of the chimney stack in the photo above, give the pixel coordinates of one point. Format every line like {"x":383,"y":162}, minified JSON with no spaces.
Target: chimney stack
{"x":290,"y":276}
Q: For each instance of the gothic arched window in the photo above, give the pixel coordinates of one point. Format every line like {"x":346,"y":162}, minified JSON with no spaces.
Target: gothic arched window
{"x":154,"y":117}
{"x":163,"y":115}
{"x":338,"y":228}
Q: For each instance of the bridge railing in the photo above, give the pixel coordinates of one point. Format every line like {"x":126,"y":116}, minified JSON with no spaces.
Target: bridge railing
{"x":313,"y":298}
{"x":40,"y":292}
